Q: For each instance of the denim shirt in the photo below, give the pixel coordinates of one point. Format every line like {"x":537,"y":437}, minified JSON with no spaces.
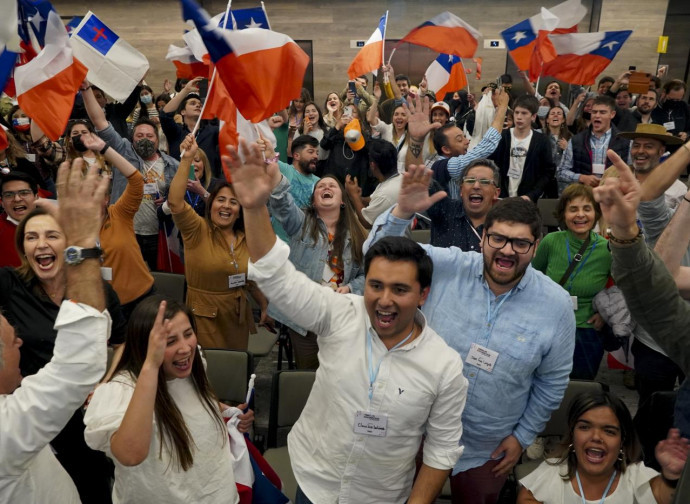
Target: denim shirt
{"x":533,"y":332}
{"x":307,"y":256}
{"x":124,"y":148}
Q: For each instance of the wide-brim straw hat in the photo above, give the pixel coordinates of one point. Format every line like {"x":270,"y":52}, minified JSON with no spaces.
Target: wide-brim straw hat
{"x":655,"y":131}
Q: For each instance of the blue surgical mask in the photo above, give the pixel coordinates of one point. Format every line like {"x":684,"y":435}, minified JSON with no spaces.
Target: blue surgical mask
{"x":146,"y":99}
{"x":543,"y":111}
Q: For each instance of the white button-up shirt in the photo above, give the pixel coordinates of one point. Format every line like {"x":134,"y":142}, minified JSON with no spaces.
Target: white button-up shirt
{"x":419,"y":387}
{"x":38,"y":410}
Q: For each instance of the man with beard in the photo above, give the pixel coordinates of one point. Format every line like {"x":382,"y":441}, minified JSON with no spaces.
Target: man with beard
{"x":646,"y":103}
{"x":157,"y":168}
{"x":300,"y":174}
{"x":514,"y":326}
{"x":18,"y":195}
{"x":674,"y":113}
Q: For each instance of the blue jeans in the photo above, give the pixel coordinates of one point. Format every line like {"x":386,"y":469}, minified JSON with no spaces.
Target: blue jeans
{"x":300,"y":498}
{"x":589,"y":350}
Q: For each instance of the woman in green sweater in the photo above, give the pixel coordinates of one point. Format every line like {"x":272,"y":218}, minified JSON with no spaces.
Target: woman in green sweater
{"x":591,"y":259}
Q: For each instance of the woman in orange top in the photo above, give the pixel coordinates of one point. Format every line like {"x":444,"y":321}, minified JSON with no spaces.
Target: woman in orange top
{"x":216,"y":259}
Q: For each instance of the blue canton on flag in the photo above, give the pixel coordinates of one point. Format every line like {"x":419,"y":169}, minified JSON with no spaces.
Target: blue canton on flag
{"x":250,"y":18}
{"x":97,"y":35}
{"x":447,"y":61}
{"x":519,"y":35}
{"x":609,"y":47}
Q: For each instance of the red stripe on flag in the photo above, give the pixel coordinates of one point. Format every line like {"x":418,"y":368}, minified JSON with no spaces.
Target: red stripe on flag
{"x":575,"y":69}
{"x":190,"y":70}
{"x":522,"y":55}
{"x":369,"y":58}
{"x":50,"y":103}
{"x":443,"y":39}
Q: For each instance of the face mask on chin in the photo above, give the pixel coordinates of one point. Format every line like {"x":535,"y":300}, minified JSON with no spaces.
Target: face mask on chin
{"x":145,"y":148}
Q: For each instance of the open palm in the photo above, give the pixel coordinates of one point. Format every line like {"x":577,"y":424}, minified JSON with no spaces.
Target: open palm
{"x":252,"y":179}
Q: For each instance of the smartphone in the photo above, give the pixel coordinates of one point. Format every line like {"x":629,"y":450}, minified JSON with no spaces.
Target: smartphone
{"x":353,"y":89}
{"x":347,"y":111}
{"x":191,"y":173}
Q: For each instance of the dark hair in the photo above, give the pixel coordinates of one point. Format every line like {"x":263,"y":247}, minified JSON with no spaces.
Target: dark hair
{"x":165,"y":97}
{"x":569,"y":194}
{"x":563,"y":131}
{"x":623,"y":87}
{"x":548,"y":83}
{"x":528,"y":102}
{"x":399,"y":248}
{"x":582,"y":403}
{"x":184,"y":101}
{"x":402,"y":77}
{"x":674,"y":85}
{"x":319,"y":121}
{"x":606,"y":101}
{"x":173,"y":430}
{"x":305,"y":96}
{"x":656,"y":80}
{"x":222,"y":184}
{"x":15,"y":175}
{"x":488,"y":163}
{"x":148,"y":122}
{"x":302,"y":141}
{"x":440,"y":139}
{"x":24,"y":270}
{"x":348,"y":223}
{"x":385,"y":155}
{"x":605,"y":79}
{"x":517,"y":210}
{"x":143,"y":110}
{"x":95,"y":88}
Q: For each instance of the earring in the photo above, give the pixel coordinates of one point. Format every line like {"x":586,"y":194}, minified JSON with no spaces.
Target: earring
{"x":342,"y":206}
{"x":621,"y":455}
{"x":570,"y":447}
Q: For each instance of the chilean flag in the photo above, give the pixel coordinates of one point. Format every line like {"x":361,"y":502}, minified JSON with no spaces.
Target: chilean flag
{"x":583,"y":56}
{"x":9,"y":43}
{"x":52,"y":77}
{"x":522,"y":37}
{"x":261,"y":69}
{"x":255,"y":17}
{"x":186,"y":63}
{"x":370,"y":57}
{"x":445,"y":33}
{"x":445,"y":75}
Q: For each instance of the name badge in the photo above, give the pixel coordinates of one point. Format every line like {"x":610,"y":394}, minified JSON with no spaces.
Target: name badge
{"x":514,"y":173}
{"x":574,"y":301}
{"x":370,"y":425}
{"x":107,"y":274}
{"x":481,"y":357}
{"x":671,"y":125}
{"x":31,"y":158}
{"x":598,"y":169}
{"x":236,"y":280}
{"x":151,"y":188}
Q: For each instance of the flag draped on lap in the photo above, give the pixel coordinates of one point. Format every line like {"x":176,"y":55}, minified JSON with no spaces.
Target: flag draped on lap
{"x":262,"y":70}
{"x":114,"y":65}
{"x":522,"y":37}
{"x":583,"y":56}
{"x":445,"y":75}
{"x":445,"y":33}
{"x":370,"y":57}
{"x":46,"y":85}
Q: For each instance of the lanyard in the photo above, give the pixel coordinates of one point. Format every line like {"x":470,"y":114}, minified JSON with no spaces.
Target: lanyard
{"x":234,"y":260}
{"x":373,"y":374}
{"x":603,"y":497}
{"x":189,"y":197}
{"x":572,"y":277}
{"x":473,"y":230}
{"x":491,"y":316}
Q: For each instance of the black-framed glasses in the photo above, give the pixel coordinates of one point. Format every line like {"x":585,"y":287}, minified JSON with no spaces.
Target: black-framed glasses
{"x":518,"y":245}
{"x":24,"y":193}
{"x":482,"y":181}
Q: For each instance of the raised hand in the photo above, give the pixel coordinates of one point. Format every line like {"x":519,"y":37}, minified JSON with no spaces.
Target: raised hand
{"x":414,"y":192}
{"x":189,"y":147}
{"x":418,"y":124}
{"x":252,"y":179}
{"x":672,"y":453}
{"x":619,"y":198}
{"x":193,"y":85}
{"x":93,"y":142}
{"x":352,"y":187}
{"x":158,"y":338}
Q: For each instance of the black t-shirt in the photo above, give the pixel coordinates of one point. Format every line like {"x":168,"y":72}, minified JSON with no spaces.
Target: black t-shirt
{"x":33,"y":314}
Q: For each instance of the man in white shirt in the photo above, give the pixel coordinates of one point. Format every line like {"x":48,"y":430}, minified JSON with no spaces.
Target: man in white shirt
{"x":385,"y":378}
{"x":33,"y":414}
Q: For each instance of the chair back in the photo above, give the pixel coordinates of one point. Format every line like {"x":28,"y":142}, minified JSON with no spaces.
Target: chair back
{"x":169,"y":285}
{"x":547,"y":207}
{"x":558,"y":423}
{"x":289,"y":393}
{"x":228,"y":372}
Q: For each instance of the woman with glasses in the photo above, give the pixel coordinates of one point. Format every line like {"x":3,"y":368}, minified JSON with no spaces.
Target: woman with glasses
{"x":579,"y":260}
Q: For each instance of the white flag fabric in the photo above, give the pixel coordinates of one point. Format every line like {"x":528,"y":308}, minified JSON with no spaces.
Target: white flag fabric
{"x":114,"y":65}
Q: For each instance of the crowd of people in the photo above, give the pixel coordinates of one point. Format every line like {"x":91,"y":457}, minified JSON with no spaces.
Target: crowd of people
{"x":433,"y":361}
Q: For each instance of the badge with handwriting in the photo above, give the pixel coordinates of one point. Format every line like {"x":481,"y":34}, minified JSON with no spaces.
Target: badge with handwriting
{"x":370,"y":425}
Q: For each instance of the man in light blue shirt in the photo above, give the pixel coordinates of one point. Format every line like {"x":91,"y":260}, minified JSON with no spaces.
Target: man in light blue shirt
{"x":513,"y":326}
{"x":300,"y":174}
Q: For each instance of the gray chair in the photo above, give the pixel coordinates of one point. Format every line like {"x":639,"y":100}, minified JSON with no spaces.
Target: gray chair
{"x":289,"y":393}
{"x":169,"y":285}
{"x":261,"y":343}
{"x":228,"y":372}
{"x":421,"y":235}
{"x":547,"y":207}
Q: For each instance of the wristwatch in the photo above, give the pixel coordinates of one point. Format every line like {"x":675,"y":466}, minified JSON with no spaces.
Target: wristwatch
{"x":75,"y":255}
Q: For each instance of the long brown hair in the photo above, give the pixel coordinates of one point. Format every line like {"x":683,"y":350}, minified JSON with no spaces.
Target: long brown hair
{"x":24,"y":270}
{"x":174,"y":433}
{"x":348,"y":223}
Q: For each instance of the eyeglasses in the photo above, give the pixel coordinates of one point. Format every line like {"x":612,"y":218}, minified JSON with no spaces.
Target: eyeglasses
{"x":518,"y":245}
{"x":24,"y":193}
{"x":482,"y":181}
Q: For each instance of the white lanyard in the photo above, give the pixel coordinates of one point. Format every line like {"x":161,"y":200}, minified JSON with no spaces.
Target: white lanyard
{"x":373,"y":374}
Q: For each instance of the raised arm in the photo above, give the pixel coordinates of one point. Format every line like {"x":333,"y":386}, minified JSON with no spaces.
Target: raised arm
{"x":418,"y":127}
{"x":572,"y":112}
{"x":96,"y":144}
{"x":178,"y":186}
{"x":673,"y":244}
{"x":174,"y":103}
{"x":93,"y":109}
{"x":659,"y":180}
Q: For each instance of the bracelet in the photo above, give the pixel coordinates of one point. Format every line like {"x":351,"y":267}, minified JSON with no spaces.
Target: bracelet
{"x":84,"y":89}
{"x":625,"y":242}
{"x":668,"y":482}
{"x":686,"y":199}
{"x":273,"y":159}
{"x":206,"y":195}
{"x":102,"y":151}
